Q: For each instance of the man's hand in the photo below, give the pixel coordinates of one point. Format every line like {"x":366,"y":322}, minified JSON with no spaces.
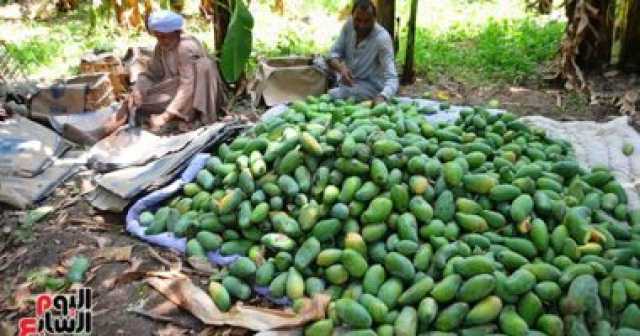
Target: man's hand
{"x":157,"y":122}
{"x":378,"y":100}
{"x":347,"y":76}
{"x":345,"y":73}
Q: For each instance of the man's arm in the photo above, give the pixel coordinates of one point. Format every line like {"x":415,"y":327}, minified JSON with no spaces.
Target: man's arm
{"x":338,"y":49}
{"x":337,"y":55}
{"x":389,"y":73}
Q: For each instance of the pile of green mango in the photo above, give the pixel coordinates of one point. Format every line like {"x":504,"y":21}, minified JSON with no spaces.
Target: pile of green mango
{"x":481,"y":227}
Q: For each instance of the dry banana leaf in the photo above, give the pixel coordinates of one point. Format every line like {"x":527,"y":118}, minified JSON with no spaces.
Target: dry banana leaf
{"x":180,"y":290}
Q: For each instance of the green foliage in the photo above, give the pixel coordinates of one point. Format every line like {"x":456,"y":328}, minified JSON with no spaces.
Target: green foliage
{"x":237,"y":44}
{"x":508,"y":50}
{"x":289,"y":43}
{"x":333,"y":5}
{"x":34,"y":52}
{"x":475,"y":41}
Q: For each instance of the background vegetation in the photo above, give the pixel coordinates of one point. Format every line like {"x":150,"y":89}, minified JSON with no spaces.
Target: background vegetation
{"x":465,"y":40}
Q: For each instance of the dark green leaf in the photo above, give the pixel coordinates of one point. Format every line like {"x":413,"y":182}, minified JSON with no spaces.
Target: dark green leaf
{"x":237,"y":44}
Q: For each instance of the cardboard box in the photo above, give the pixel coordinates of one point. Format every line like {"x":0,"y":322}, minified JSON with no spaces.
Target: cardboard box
{"x":76,"y":95}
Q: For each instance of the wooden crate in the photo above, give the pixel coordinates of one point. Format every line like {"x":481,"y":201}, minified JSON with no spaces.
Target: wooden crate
{"x":106,"y":62}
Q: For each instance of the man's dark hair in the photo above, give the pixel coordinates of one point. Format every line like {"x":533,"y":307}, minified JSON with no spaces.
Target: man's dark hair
{"x":365,"y":5}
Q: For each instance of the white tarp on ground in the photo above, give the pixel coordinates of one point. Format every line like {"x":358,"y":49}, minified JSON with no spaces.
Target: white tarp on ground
{"x":601,"y":144}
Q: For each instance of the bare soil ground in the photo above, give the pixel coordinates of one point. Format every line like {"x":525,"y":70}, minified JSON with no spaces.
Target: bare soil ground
{"x":543,"y":99}
{"x":124,"y":303}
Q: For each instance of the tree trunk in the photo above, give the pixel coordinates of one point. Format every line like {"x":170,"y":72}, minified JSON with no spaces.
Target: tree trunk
{"x":177,"y":5}
{"x":545,"y":6}
{"x":127,"y":13}
{"x":135,"y":17}
{"x":600,"y":33}
{"x":626,"y":45}
{"x":387,"y":17}
{"x":148,"y":8}
{"x":221,"y":18}
{"x":409,"y":73}
{"x":595,"y":49}
{"x":206,"y":8}
{"x":588,"y":39}
{"x":541,"y":6}
{"x":65,"y":5}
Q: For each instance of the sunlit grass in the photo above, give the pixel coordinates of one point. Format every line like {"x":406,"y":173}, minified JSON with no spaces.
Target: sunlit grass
{"x":50,"y":51}
{"x":505,"y":50}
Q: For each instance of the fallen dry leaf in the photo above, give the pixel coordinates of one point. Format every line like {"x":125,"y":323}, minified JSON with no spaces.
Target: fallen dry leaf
{"x":102,"y":241}
{"x":208,"y":331}
{"x":97,"y":313}
{"x":62,"y":218}
{"x":180,"y":290}
{"x":91,"y":273}
{"x":8,"y":258}
{"x":171,"y":330}
{"x":151,"y":315}
{"x":67,"y":255}
{"x":130,"y":274}
{"x":163,"y":311}
{"x":225,"y":331}
{"x":87,"y":224}
{"x":201,"y":265}
{"x":22,"y":297}
{"x":158,"y":257}
{"x":111,"y":254}
{"x":68,"y":202}
{"x":165,"y":308}
{"x":292,"y":332}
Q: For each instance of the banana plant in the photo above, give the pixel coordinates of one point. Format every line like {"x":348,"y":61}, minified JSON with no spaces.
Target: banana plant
{"x":237,"y":43}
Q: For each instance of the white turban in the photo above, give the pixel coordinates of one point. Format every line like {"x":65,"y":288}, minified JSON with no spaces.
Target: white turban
{"x":165,"y":21}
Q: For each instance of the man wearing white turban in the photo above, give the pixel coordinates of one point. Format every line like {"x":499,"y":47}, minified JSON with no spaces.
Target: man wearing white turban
{"x":182,"y":86}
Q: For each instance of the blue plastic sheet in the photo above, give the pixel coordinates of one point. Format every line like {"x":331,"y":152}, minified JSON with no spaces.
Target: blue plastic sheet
{"x":155,"y":199}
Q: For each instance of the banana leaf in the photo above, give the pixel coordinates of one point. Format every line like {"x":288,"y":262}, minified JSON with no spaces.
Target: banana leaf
{"x":237,"y":43}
